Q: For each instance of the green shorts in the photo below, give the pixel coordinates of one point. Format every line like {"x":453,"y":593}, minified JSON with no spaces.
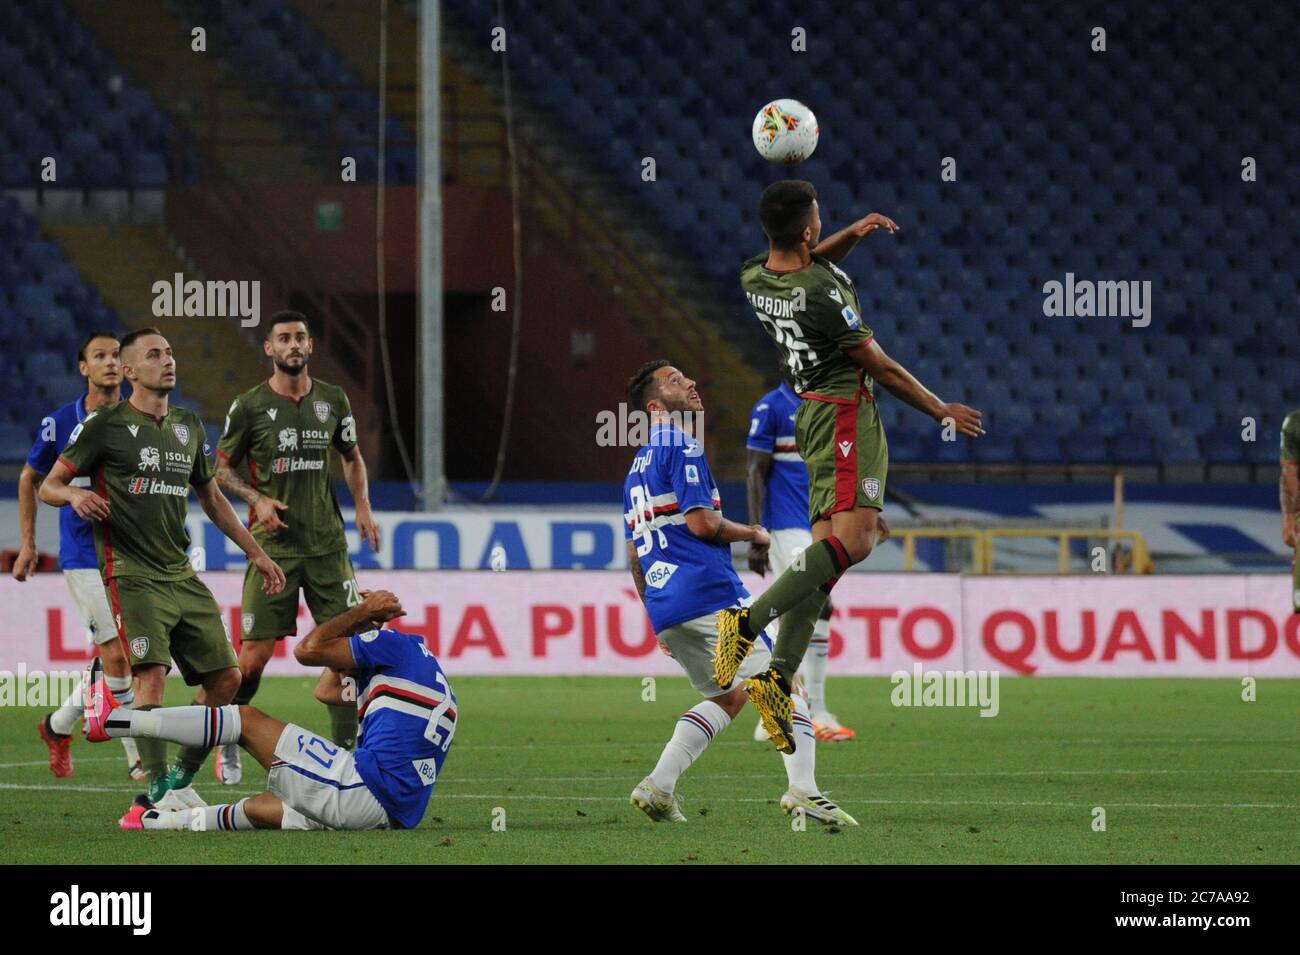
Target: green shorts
{"x":327,"y":581}
{"x":160,"y":621}
{"x":843,"y":444}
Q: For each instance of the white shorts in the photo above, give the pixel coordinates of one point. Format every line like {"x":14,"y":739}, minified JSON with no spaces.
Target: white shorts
{"x":88,"y":593}
{"x":319,"y":785}
{"x":785,"y":543}
{"x":691,"y":643}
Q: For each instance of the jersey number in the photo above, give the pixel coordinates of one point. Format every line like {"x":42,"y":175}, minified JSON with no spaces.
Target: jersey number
{"x":641,"y":528}
{"x":327,"y":752}
{"x":433,"y":732}
{"x":353,"y":597}
{"x":788,"y":334}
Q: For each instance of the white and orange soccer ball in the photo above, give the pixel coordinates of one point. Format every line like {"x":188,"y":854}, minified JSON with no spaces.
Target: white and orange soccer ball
{"x":785,"y":132}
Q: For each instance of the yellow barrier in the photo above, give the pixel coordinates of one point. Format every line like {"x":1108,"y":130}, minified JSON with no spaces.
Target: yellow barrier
{"x":983,"y":543}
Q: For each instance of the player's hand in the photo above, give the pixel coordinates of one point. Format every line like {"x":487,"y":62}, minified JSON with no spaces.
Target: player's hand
{"x":367,"y":526}
{"x":758,"y":559}
{"x":381,"y":606}
{"x":664,"y":647}
{"x":272,"y":575}
{"x":967,"y":420}
{"x":267,"y":512}
{"x":89,"y":505}
{"x":869,"y":224}
{"x":25,"y":562}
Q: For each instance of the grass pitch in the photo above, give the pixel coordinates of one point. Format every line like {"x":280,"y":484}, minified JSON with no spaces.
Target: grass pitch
{"x":1185,"y":770}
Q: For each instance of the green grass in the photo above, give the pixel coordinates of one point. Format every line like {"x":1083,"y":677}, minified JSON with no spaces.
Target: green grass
{"x":1185,"y":770}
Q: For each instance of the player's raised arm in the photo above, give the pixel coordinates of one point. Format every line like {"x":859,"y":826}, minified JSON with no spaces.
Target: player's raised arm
{"x":327,"y":644}
{"x":899,"y":382}
{"x":838,"y":246}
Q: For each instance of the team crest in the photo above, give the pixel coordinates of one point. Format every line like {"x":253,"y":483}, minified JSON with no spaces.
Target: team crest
{"x":149,"y":459}
{"x":871,"y":488}
{"x":182,"y":433}
{"x":246,"y":622}
{"x":139,"y":647}
{"x":322,"y":409}
{"x":138,"y":485}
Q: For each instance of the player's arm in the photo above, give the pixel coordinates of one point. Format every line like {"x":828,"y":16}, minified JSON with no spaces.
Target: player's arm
{"x":266,"y":509}
{"x":354,"y":473}
{"x":634,"y":565}
{"x":839,"y":245}
{"x":709,"y":525}
{"x":329,"y":645}
{"x":221,"y":514}
{"x":899,"y":382}
{"x":758,"y":469}
{"x":28,"y":481}
{"x":57,"y":492}
{"x":1289,"y":495}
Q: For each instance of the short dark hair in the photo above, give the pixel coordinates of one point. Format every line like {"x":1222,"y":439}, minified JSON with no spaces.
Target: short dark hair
{"x":97,"y":333}
{"x":641,"y":386}
{"x":784,"y":210}
{"x":130,"y":338}
{"x":283,"y":317}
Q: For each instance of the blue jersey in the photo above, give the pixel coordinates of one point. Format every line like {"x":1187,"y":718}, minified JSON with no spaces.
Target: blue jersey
{"x":771,"y":429}
{"x":407,"y":713}
{"x":685,"y":577}
{"x":76,"y":535}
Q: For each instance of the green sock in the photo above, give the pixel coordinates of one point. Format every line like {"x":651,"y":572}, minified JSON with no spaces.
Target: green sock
{"x":247,"y":690}
{"x":190,"y":758}
{"x":343,"y":724}
{"x":823,"y":561}
{"x":796,"y":633}
{"x":153,"y":752}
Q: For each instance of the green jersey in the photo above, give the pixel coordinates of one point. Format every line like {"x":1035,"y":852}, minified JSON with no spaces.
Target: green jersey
{"x":813,"y":315}
{"x":144,"y":466}
{"x":287,"y":443}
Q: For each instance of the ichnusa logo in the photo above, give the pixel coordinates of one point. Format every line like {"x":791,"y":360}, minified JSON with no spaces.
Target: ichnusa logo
{"x":73,"y":908}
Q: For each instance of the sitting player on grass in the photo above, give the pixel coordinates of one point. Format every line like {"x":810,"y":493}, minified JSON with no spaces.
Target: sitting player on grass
{"x":407,"y":715}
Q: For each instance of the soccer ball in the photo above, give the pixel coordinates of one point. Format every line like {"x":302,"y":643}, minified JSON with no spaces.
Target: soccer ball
{"x":785,"y":132}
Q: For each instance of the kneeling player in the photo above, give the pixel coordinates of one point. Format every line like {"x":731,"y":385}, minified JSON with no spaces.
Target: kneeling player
{"x":678,"y":548}
{"x":407,"y":715}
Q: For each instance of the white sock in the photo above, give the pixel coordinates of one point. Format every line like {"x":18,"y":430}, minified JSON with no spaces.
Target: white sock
{"x":695,"y":730}
{"x":231,"y":817}
{"x":64,"y":720}
{"x":813,"y":667}
{"x":187,"y":725}
{"x":800,"y":766}
{"x":123,"y":688}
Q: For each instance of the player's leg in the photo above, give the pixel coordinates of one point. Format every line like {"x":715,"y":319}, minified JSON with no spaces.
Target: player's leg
{"x":264,"y":620}
{"x":91,"y":600}
{"x":330,"y":589}
{"x":205,"y":658}
{"x":691,"y":644}
{"x":263,"y":811}
{"x":144,"y":615}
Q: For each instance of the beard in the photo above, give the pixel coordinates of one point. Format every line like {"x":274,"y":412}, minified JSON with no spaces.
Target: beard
{"x":290,"y":369}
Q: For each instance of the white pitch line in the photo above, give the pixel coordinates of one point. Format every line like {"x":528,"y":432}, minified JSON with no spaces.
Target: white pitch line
{"x":79,"y":759}
{"x":988,"y":773}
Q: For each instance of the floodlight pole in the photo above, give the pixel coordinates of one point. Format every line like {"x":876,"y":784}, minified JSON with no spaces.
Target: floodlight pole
{"x":431,"y":432}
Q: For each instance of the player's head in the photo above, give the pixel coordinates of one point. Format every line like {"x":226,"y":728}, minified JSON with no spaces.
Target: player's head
{"x":99,"y":360}
{"x":658,"y":387}
{"x":288,"y":341}
{"x":147,"y":360}
{"x":789,"y":214}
